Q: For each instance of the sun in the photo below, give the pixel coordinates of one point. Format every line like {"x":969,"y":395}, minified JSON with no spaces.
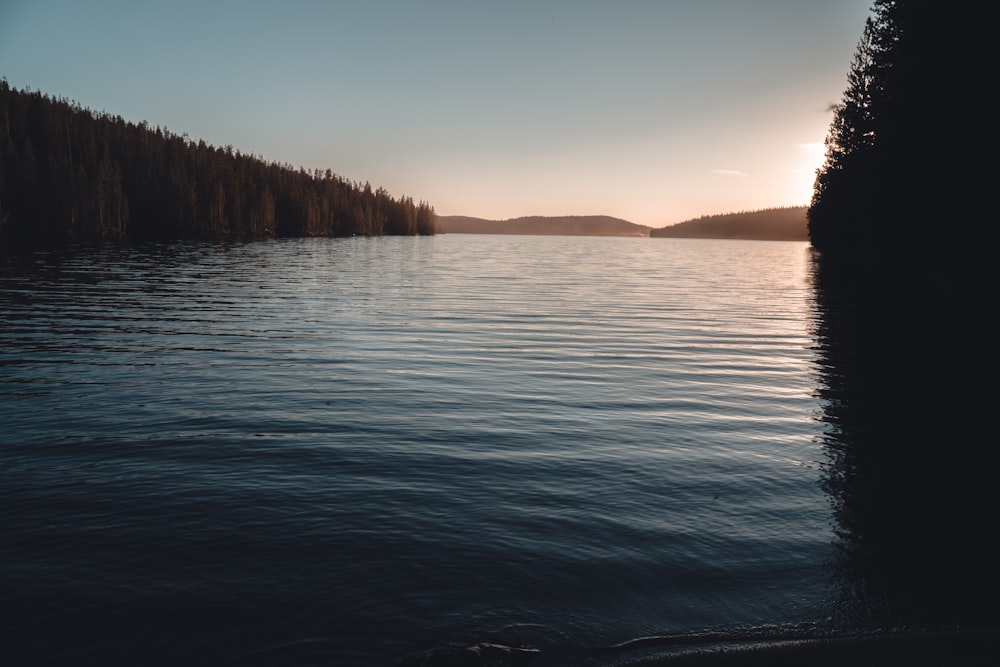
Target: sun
{"x":814,"y":152}
{"x":810,"y":157}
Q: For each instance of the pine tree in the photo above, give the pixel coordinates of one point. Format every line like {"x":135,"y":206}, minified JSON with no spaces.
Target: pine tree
{"x":900,"y":172}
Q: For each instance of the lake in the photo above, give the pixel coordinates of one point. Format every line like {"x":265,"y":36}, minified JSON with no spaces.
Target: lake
{"x":364,"y":450}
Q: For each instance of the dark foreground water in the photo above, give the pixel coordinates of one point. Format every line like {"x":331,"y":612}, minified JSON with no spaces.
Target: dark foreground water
{"x":359,"y":451}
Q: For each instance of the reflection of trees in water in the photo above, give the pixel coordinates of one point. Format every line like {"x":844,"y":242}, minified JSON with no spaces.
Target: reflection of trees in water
{"x":908,"y":462}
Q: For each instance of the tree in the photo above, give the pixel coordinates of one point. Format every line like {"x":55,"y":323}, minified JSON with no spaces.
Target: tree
{"x":899,"y":217}
{"x":899,"y":172}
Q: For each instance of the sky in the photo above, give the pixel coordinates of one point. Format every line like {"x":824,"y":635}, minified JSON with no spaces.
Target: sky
{"x":655,"y":111}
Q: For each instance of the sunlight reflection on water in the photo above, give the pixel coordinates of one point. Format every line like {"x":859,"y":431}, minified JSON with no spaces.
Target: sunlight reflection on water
{"x":441,"y":438}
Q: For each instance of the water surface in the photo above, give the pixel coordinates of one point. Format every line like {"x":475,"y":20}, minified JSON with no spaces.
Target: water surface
{"x":347,"y":451}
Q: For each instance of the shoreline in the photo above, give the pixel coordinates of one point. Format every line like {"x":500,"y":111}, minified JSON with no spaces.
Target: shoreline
{"x":979,"y":646}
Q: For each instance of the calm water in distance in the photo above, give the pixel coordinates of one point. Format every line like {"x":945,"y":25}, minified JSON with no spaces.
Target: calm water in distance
{"x":347,"y":451}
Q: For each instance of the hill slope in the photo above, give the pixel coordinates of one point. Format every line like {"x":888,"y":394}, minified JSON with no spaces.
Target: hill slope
{"x":769,"y":224}
{"x":570,"y":225}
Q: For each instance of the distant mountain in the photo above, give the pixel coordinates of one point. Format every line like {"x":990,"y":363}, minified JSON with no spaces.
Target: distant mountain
{"x":769,"y":224}
{"x":568,"y":225}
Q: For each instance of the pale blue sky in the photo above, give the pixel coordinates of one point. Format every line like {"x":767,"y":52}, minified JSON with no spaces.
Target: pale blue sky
{"x":653,"y":111}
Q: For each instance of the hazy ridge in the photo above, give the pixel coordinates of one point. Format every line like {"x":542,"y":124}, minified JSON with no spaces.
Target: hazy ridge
{"x":770,"y":224}
{"x":567,"y":225}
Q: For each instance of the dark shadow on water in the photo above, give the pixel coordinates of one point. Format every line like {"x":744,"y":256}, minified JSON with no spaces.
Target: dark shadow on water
{"x":904,"y":367}
{"x":910,"y":473}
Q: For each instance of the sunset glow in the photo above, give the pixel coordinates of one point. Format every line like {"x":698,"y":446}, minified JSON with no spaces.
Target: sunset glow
{"x":812,"y":156}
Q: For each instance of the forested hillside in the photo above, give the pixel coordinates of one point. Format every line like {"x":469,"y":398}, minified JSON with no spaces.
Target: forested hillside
{"x":771,"y":224}
{"x":68,"y":173}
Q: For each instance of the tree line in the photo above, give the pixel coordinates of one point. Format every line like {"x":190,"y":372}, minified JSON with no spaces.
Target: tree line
{"x":68,"y":173}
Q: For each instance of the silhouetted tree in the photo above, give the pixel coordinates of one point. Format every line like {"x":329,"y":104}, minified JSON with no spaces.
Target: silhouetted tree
{"x":900,"y":222}
{"x":895,"y":173}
